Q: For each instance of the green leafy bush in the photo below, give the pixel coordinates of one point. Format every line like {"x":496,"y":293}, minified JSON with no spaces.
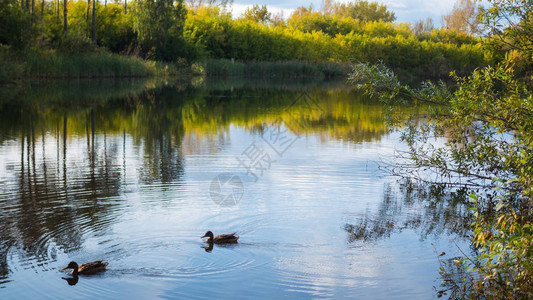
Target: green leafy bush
{"x":76,"y":42}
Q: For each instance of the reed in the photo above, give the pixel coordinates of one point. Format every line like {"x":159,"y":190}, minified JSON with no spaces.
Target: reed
{"x":10,"y":68}
{"x":268,"y":69}
{"x":52,"y":64}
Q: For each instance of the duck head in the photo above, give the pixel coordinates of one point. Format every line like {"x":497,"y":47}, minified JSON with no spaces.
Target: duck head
{"x":71,"y":265}
{"x":209,"y":235}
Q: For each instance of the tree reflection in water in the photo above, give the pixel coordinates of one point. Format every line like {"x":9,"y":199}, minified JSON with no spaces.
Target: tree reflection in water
{"x":72,"y":138}
{"x":427,"y":210}
{"x":51,"y":197}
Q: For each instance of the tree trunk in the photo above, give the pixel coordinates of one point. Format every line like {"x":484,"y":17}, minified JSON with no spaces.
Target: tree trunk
{"x":42,"y":11}
{"x":94,"y":22}
{"x":57,"y":10}
{"x":27,"y":5}
{"x":22,"y":5}
{"x":65,"y":28}
{"x":88,"y":10}
{"x":32,"y":9}
{"x":125,"y":6}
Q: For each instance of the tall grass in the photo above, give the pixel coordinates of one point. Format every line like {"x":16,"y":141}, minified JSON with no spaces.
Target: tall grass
{"x":54,"y":64}
{"x":51,"y":64}
{"x":99,"y":64}
{"x":10,"y":68}
{"x":266,"y":69}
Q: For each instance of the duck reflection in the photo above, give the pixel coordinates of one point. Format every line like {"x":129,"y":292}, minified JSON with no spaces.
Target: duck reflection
{"x":208,"y":247}
{"x":71,"y":280}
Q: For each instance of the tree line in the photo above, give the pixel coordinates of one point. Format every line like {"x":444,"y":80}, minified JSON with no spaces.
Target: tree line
{"x":170,"y":30}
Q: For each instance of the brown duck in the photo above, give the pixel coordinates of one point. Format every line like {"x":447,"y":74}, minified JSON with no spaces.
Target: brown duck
{"x":86,"y":268}
{"x":221,"y":239}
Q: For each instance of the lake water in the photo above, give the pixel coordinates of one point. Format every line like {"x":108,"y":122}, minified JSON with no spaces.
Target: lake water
{"x":135,"y":172}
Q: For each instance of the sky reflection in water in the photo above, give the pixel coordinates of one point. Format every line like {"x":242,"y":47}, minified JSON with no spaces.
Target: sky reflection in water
{"x":129,"y":181}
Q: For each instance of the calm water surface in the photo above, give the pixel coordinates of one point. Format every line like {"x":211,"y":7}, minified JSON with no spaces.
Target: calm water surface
{"x":127,"y":171}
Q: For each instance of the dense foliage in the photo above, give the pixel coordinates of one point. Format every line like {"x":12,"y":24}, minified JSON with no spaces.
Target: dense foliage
{"x":166,"y":30}
{"x":13,"y":24}
{"x":487,"y":122}
{"x":320,"y":38}
{"x":159,"y":27}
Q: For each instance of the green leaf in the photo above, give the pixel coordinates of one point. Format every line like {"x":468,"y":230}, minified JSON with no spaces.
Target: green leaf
{"x":473,"y":198}
{"x":500,"y":205}
{"x":511,"y":180}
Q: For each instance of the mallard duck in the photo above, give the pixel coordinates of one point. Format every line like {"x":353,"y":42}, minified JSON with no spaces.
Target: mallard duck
{"x":221,"y":239}
{"x":86,"y":268}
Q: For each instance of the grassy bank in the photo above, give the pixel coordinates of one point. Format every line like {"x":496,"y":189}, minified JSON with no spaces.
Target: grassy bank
{"x":51,"y":64}
{"x":266,"y":69}
{"x":31,"y":64}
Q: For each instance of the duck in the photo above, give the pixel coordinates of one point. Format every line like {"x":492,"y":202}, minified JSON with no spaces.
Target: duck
{"x":221,"y":239}
{"x":86,"y":268}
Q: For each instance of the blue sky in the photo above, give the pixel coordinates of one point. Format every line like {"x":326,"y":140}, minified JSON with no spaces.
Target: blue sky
{"x":405,"y":10}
